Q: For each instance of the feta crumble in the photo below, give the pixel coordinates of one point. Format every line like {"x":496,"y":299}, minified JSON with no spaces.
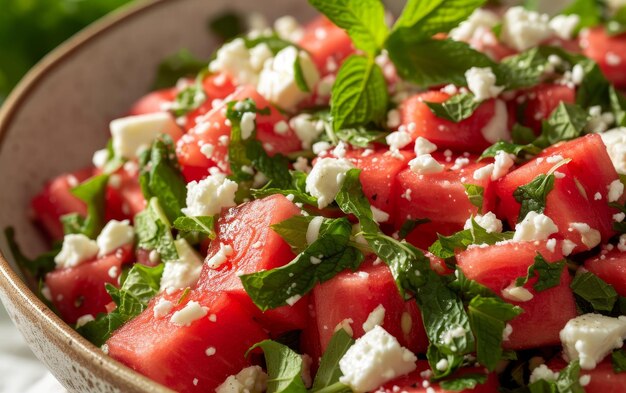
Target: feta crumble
{"x":208,"y":196}
{"x":189,"y":314}
{"x":589,"y":236}
{"x":482,"y":83}
{"x":306,"y":129}
{"x":249,"y":380}
{"x":326,"y":178}
{"x":479,"y":21}
{"x":114,"y":235}
{"x":516,"y":294}
{"x":523,"y":29}
{"x":423,"y":146}
{"x":590,"y":337}
{"x":76,"y":249}
{"x":497,"y":128}
{"x":488,"y":222}
{"x":425,"y":164}
{"x":375,"y":318}
{"x":133,"y":134}
{"x":615,"y":142}
{"x":503,"y":162}
{"x":534,"y":226}
{"x":183,"y":272}
{"x":162,"y":308}
{"x":379,"y":215}
{"x":616,"y":189}
{"x":374,"y":359}
{"x":220,"y":257}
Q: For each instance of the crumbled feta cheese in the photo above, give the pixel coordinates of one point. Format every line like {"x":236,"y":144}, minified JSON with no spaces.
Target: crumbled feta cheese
{"x":442,"y":365}
{"x":506,"y":333}
{"x":189,"y":314}
{"x":100,"y":158}
{"x":619,"y":217}
{"x":481,"y":20}
{"x":516,"y":294}
{"x":288,"y":28}
{"x":114,"y":235}
{"x":484,"y":172}
{"x":567,"y":247}
{"x":503,"y":162}
{"x":277,"y":81}
{"x":488,"y":221}
{"x":379,"y":215}
{"x":85,"y":319}
{"x":320,"y":148}
{"x":247,"y":124}
{"x":424,"y":146}
{"x":599,"y":121}
{"x":249,"y":380}
{"x":281,"y":127}
{"x":233,"y":58}
{"x":589,"y":236}
{"x":220,"y":257}
{"x":326,"y":179}
{"x":183,"y":272}
{"x":375,"y":318}
{"x":393,"y":119}
{"x":497,"y":128}
{"x":590,"y":337}
{"x":523,"y":29}
{"x":258,"y":56}
{"x":208,"y":196}
{"x":306,"y":129}
{"x":482,"y":83}
{"x":313,"y":230}
{"x":76,"y":249}
{"x":616,"y":189}
{"x":534,"y":226}
{"x":397,"y":140}
{"x":162,"y":308}
{"x":374,"y":359}
{"x":615,"y":142}
{"x":302,"y":165}
{"x":425,"y":164}
{"x":584,"y":380}
{"x":406,"y":323}
{"x":130,"y":135}
{"x":564,"y":26}
{"x":551,"y":245}
{"x":543,"y":372}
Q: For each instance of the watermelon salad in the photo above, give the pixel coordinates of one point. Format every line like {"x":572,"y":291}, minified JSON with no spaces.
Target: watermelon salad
{"x":431,"y":202}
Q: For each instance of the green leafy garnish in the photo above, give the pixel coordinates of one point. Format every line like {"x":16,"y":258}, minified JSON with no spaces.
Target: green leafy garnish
{"x":160,"y":176}
{"x":227,"y":25}
{"x":618,"y":360}
{"x":447,"y":246}
{"x":37,"y":267}
{"x":456,"y":108}
{"x":140,"y":285}
{"x":284,"y":368}
{"x":153,"y":231}
{"x":297,"y":188}
{"x":200,"y":224}
{"x":475,"y":195}
{"x":92,"y":192}
{"x":589,"y":12}
{"x":593,"y":292}
{"x":548,"y":274}
{"x":330,"y":254}
{"x":329,"y":372}
{"x":565,"y":123}
{"x":359,"y":95}
{"x":464,"y":382}
{"x":533,"y":196}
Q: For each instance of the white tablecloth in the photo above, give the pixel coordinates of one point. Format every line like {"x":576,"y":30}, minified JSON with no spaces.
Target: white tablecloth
{"x":21,"y":371}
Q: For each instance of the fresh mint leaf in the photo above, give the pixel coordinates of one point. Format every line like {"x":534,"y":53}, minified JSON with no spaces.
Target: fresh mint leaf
{"x":447,"y":246}
{"x":284,"y":368}
{"x":153,"y":231}
{"x":565,"y":123}
{"x":359,"y":95}
{"x":434,"y":62}
{"x":548,"y":274}
{"x":618,"y":360}
{"x":510,"y":148}
{"x":533,"y":196}
{"x":421,"y":20}
{"x":475,"y":195}
{"x":227,"y":25}
{"x":488,"y":317}
{"x":299,"y":76}
{"x":92,"y":191}
{"x":592,"y":290}
{"x":37,"y":267}
{"x":589,"y":12}
{"x":294,"y":231}
{"x":363,"y":20}
{"x":522,"y":135}
{"x":409,"y":225}
{"x":457,"y":108}
{"x":329,"y":372}
{"x":273,"y":42}
{"x":526,"y":69}
{"x":179,"y":65}
{"x":464,"y":382}
{"x":330,"y":254}
{"x":141,"y":284}
{"x":594,"y":89}
{"x":569,"y":379}
{"x":469,"y":289}
{"x":201,"y":224}
{"x":246,"y":154}
{"x":189,"y":98}
{"x":160,"y":176}
{"x":358,"y":136}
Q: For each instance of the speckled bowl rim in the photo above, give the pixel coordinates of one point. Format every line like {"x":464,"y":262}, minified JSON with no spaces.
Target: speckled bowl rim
{"x":84,"y":353}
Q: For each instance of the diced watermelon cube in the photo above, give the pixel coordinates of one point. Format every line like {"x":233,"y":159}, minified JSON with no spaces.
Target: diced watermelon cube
{"x":155,"y":101}
{"x":538,"y":103}
{"x":80,"y":290}
{"x":608,"y":51}
{"x":193,"y":358}
{"x":352,"y":296}
{"x":246,"y":228}
{"x":611,"y":267}
{"x":547,"y":312}
{"x":327,"y":44}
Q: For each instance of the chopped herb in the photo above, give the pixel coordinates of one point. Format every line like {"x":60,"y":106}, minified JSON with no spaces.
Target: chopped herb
{"x":592,"y":293}
{"x":179,"y":65}
{"x":227,"y":25}
{"x":153,"y":231}
{"x":548,"y":274}
{"x":202,"y":225}
{"x":284,"y":367}
{"x":475,"y":195}
{"x":447,"y":246}
{"x":457,"y":108}
{"x":92,"y":192}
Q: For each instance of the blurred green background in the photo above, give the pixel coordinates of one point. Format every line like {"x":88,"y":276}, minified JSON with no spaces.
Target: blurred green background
{"x":31,"y":28}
